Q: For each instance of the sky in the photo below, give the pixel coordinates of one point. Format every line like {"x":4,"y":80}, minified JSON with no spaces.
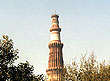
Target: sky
{"x":85,"y":28}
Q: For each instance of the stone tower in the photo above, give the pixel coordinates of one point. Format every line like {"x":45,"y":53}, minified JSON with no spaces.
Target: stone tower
{"x":55,"y":62}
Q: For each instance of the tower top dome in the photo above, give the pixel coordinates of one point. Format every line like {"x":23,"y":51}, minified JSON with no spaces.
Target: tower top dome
{"x":55,"y":15}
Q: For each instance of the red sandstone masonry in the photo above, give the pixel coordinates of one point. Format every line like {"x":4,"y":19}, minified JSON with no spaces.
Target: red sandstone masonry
{"x":55,"y":62}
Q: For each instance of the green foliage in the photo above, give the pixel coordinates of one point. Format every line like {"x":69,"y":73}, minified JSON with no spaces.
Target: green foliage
{"x":7,"y":56}
{"x":39,"y":78}
{"x":22,"y":72}
{"x":87,"y":70}
{"x":10,"y":72}
{"x":7,"y":53}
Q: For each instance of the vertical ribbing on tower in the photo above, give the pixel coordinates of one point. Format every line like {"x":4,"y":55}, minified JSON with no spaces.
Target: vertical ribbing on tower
{"x":55,"y":62}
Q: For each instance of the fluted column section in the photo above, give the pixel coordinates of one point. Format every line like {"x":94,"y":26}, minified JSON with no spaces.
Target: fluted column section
{"x":55,"y":62}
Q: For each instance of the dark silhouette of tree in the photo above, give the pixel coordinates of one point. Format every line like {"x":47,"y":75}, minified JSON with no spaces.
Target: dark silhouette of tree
{"x":10,"y":72}
{"x":22,"y":72}
{"x":39,"y":78}
{"x":7,"y":56}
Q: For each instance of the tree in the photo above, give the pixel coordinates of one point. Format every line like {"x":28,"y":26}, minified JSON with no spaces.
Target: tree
{"x":24,"y":72}
{"x":10,"y":72}
{"x":21,"y":72}
{"x":7,"y":56}
{"x":87,"y":70}
{"x":39,"y":78}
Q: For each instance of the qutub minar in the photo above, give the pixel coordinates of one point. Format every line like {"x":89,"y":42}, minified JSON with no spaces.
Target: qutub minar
{"x":55,"y":62}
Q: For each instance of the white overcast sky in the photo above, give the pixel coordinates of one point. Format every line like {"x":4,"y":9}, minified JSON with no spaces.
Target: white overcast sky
{"x":85,"y":28}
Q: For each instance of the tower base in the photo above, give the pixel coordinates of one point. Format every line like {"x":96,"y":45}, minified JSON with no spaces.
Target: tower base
{"x":55,"y":74}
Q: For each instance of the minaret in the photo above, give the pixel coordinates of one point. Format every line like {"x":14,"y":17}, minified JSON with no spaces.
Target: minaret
{"x":55,"y":63}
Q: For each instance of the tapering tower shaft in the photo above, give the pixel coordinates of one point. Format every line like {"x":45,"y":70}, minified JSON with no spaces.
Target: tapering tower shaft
{"x":55,"y":63}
